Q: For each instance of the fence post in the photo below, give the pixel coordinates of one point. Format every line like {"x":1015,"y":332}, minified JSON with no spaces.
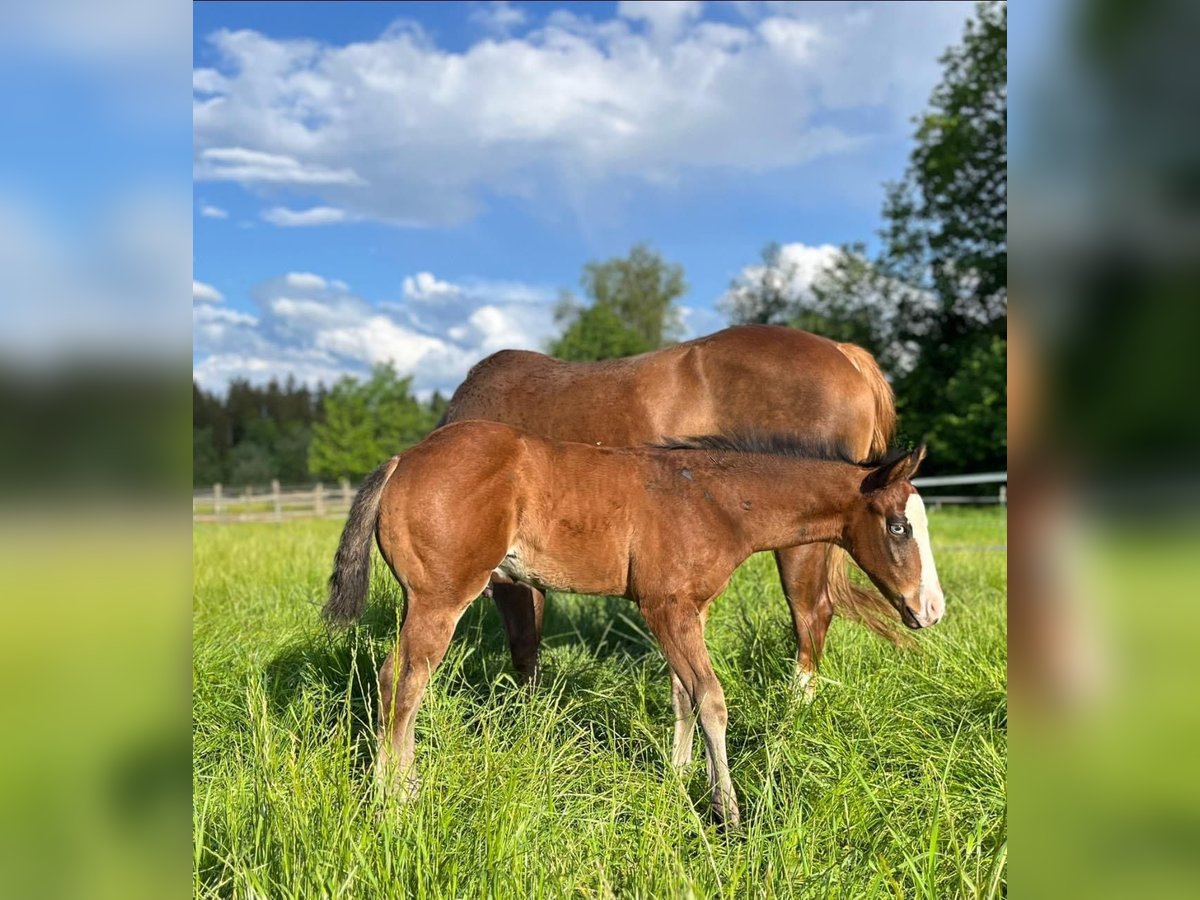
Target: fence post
{"x":1004,"y":495}
{"x":276,"y":502}
{"x":217,"y":501}
{"x":346,"y":498}
{"x":319,"y":499}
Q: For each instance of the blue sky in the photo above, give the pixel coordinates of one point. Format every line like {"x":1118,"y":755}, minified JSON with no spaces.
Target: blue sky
{"x":415,"y":182}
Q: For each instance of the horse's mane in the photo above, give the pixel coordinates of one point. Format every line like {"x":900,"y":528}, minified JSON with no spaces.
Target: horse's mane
{"x":771,"y":444}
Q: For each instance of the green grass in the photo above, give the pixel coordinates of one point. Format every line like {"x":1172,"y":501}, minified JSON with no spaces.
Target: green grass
{"x":891,"y":783}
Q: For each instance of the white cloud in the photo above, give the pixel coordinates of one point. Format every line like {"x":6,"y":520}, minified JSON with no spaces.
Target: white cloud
{"x":251,"y":166}
{"x":209,"y":211}
{"x":305,"y":281}
{"x":500,"y":17}
{"x":424,"y":287}
{"x":798,"y":266}
{"x":400,"y":130}
{"x":206,"y":314}
{"x":214,"y":372}
{"x":317,"y":329}
{"x":665,"y":18}
{"x":205,"y":293}
{"x":208,"y":81}
{"x":293,"y":218}
{"x":791,"y":38}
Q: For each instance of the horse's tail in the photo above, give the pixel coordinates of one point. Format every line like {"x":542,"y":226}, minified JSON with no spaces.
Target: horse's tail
{"x":851,"y":601}
{"x":885,"y":401}
{"x":863,"y":605}
{"x":352,"y":564}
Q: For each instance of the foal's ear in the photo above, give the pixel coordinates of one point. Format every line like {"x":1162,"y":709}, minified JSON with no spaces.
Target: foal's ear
{"x":900,"y":469}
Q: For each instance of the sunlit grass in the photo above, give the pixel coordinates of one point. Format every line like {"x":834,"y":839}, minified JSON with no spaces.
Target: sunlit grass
{"x":891,"y":783}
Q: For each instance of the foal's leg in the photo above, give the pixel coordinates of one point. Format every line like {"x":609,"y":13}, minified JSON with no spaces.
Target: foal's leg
{"x":685,"y":716}
{"x":685,"y":723}
{"x":802,"y":572}
{"x":521,"y":608}
{"x":422,"y":643}
{"x":680,"y":631}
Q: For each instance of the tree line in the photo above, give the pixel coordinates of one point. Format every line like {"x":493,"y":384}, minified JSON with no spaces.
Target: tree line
{"x":931,"y":303}
{"x":255,"y":434}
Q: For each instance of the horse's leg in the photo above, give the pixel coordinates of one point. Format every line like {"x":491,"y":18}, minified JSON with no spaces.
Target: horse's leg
{"x":423,"y":640}
{"x":521,"y":608}
{"x":802,"y":574}
{"x":685,"y":723}
{"x":681,"y":634}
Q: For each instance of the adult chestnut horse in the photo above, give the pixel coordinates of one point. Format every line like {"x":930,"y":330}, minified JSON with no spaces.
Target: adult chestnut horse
{"x":662,"y":526}
{"x":764,"y":378}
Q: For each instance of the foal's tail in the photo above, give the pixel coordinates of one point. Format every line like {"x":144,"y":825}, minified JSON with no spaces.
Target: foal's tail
{"x":352,"y":565}
{"x":865,"y":605}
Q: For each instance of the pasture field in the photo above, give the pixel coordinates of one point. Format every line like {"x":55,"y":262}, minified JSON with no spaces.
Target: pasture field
{"x":890,"y":783}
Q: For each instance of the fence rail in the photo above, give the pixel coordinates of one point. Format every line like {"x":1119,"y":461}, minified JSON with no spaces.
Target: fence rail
{"x":274,"y":504}
{"x":934,"y":499}
{"x":277,"y":504}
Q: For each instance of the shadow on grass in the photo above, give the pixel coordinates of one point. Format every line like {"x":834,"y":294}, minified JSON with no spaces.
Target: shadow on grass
{"x":600,"y":641}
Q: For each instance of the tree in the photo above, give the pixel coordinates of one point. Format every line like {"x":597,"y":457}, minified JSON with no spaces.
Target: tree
{"x":365,"y":423}
{"x":847,"y":301}
{"x":207,"y":465}
{"x":251,"y":463}
{"x":762,"y":295}
{"x":636,"y":292}
{"x":597,"y":333}
{"x":946,"y":240}
{"x":438,"y":404}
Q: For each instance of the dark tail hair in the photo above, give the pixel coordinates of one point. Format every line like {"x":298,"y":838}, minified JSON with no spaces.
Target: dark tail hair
{"x":351,"y":576}
{"x":851,"y":601}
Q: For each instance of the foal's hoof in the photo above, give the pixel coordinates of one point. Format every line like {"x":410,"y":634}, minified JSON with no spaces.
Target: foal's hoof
{"x":395,"y":787}
{"x":806,"y":686}
{"x":729,"y":820}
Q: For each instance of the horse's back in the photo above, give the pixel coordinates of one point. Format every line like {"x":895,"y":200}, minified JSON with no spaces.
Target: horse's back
{"x":762,"y":377}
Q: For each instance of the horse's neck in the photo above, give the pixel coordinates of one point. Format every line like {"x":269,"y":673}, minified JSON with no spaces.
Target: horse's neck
{"x":782,"y":502}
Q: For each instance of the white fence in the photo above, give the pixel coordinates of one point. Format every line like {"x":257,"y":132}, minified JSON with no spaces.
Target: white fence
{"x":276,"y":504}
{"x":932,"y":498}
{"x":273,"y":504}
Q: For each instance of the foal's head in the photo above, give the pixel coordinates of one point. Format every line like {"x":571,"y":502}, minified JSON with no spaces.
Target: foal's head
{"x":888,"y":536}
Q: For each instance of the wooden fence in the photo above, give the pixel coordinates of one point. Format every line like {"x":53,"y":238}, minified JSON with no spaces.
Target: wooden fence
{"x":273,"y":504}
{"x":276,"y":504}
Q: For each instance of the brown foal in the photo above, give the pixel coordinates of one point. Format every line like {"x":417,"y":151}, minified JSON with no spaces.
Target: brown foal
{"x":752,"y":378}
{"x":663,"y":526}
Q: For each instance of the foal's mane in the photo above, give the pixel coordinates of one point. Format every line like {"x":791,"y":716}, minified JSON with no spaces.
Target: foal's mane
{"x":771,"y":444}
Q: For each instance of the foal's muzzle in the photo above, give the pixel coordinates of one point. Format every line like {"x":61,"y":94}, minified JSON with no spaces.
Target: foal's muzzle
{"x":908,"y":617}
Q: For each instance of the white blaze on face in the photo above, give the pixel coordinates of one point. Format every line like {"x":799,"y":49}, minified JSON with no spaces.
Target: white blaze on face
{"x":933,"y":603}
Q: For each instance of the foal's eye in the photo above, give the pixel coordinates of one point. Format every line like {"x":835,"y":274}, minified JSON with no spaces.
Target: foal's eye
{"x":897,"y":528}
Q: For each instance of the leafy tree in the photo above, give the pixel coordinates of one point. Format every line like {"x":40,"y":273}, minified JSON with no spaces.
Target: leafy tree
{"x":251,"y":463}
{"x":207,"y":464}
{"x":946,"y":238}
{"x":933,"y":304}
{"x":437,"y":406}
{"x":291,"y":453}
{"x":598,"y":333}
{"x":365,"y":423}
{"x":968,"y":427}
{"x":637,"y":292}
{"x":846,"y":302}
{"x":276,"y":418}
{"x":764,"y":294}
